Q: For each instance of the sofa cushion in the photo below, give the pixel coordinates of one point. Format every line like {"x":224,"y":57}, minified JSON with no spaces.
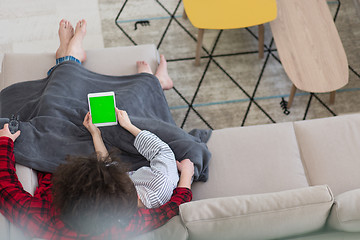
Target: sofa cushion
{"x":345,"y":214}
{"x":250,"y":160}
{"x":259,"y":216}
{"x":27,"y":177}
{"x":330,"y":149}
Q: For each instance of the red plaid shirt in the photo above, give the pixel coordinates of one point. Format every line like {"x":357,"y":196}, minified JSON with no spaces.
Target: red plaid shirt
{"x":36,"y":216}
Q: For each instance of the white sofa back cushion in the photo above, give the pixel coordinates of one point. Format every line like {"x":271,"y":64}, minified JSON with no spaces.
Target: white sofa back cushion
{"x":251,"y":160}
{"x":330,"y":148}
{"x":258,"y":216}
{"x":345,"y":214}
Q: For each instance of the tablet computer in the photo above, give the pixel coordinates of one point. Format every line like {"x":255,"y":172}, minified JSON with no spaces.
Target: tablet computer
{"x":102,"y":108}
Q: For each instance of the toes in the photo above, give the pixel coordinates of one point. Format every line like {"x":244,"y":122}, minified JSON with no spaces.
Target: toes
{"x":62,"y":22}
{"x":70,"y":26}
{"x":162,"y":59}
{"x":83,"y":23}
{"x":143,"y":66}
{"x":81,"y":26}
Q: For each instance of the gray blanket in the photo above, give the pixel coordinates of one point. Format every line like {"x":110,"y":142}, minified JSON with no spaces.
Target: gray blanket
{"x":52,"y":111}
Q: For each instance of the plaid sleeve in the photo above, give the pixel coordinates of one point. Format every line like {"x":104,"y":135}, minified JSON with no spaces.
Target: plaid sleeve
{"x":18,"y":206}
{"x":146,"y":220}
{"x":9,"y":183}
{"x":43,"y":191}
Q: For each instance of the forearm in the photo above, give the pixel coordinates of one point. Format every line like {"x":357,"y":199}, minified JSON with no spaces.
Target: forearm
{"x":13,"y":197}
{"x":185,"y":180}
{"x":6,"y":154}
{"x":132,"y":129}
{"x":99,"y":145}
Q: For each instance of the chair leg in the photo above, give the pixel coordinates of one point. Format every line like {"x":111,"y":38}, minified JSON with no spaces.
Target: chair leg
{"x":198,"y":46}
{"x":332,"y":97}
{"x":184,"y":16}
{"x":292,"y":95}
{"x":261,"y":33}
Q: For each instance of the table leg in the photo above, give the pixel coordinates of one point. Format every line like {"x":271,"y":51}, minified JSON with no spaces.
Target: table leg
{"x":292,"y":95}
{"x":198,"y":46}
{"x":261,"y":34}
{"x":332,"y":97}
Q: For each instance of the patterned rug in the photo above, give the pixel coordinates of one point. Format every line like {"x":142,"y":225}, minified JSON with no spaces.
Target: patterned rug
{"x":232,"y":86}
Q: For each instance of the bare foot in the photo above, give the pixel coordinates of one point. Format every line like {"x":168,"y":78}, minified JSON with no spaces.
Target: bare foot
{"x":143,"y":67}
{"x":75,"y":47}
{"x":163,"y":75}
{"x":66,"y":32}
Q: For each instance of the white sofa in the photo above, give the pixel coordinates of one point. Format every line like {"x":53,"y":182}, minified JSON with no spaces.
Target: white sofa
{"x":296,"y":180}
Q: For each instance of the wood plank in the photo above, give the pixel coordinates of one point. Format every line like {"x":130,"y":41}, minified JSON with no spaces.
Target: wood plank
{"x":309,"y":45}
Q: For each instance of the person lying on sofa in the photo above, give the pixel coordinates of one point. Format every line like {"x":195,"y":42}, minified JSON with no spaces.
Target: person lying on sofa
{"x":97,"y":199}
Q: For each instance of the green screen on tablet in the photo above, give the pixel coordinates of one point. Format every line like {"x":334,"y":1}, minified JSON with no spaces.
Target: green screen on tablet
{"x":102,"y":109}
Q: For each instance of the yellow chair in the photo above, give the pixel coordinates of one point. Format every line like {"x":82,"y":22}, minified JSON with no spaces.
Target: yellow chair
{"x":229,"y":14}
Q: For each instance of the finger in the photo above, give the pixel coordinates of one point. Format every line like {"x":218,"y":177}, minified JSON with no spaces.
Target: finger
{"x":17,"y":134}
{"x":118,"y":113}
{"x":85,"y":119}
{"x":6,"y":126}
{"x":124,"y":113}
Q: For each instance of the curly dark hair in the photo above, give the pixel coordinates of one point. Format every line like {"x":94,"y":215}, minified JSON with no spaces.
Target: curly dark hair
{"x":92,"y":195}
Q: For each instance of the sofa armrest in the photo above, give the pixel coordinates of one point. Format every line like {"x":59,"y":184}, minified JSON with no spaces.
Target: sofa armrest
{"x":115,"y":61}
{"x":345,"y":214}
{"x":28,"y":179}
{"x":4,"y":228}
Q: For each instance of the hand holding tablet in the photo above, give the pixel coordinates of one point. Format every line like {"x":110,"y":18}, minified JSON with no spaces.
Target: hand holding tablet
{"x":102,"y":108}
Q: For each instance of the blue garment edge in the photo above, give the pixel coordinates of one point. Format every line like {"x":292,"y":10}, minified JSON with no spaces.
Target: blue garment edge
{"x":63,"y":59}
